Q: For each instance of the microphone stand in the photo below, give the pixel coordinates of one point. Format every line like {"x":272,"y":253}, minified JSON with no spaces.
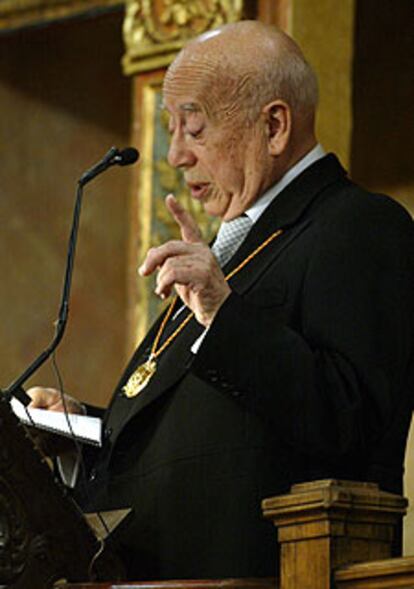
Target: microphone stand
{"x":15,"y":389}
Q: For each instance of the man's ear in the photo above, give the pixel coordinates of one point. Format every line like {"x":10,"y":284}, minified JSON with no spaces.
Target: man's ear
{"x":278,"y":120}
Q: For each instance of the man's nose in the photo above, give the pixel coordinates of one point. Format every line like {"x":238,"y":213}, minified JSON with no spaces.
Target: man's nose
{"x":179,"y":154}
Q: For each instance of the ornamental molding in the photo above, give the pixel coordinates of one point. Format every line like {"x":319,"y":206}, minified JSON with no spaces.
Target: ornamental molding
{"x":155,"y":30}
{"x":16,"y":14}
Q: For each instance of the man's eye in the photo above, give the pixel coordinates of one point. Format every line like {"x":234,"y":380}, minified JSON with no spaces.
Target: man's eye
{"x":195,"y":132}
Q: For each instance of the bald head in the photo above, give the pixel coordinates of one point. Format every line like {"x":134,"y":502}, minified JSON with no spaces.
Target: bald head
{"x":247,"y":65}
{"x":241,"y":101}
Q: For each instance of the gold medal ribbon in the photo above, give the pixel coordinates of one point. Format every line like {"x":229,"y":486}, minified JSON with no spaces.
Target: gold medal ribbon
{"x":143,"y":374}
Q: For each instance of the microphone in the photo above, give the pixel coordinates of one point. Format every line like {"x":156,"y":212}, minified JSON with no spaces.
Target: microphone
{"x":127,"y":156}
{"x":114,"y":156}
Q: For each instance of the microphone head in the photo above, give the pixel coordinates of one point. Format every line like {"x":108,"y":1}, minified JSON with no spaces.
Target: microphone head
{"x":127,"y":156}
{"x":114,"y":156}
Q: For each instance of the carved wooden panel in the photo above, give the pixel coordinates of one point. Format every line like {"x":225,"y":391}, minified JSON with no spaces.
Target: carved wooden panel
{"x":154,"y":30}
{"x":43,"y":535}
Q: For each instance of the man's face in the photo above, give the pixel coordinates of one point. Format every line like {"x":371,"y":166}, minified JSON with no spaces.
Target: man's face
{"x":223,"y":158}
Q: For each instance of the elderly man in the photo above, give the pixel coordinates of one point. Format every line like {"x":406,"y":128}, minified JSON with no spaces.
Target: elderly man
{"x":287,"y":354}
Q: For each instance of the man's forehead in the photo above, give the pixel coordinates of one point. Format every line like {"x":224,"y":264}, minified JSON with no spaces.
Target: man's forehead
{"x":189,"y":78}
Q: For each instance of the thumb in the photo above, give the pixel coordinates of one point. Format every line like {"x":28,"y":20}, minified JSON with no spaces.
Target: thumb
{"x":190,"y":231}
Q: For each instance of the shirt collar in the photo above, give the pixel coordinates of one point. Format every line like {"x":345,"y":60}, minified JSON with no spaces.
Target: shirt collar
{"x":264,"y":201}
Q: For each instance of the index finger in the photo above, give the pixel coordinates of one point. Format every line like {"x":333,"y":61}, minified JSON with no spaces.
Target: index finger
{"x":190,"y":231}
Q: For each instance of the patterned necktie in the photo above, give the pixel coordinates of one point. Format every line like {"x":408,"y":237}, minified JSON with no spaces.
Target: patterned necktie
{"x":229,"y":238}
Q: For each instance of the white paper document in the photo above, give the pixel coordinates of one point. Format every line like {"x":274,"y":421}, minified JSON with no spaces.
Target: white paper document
{"x":83,"y":427}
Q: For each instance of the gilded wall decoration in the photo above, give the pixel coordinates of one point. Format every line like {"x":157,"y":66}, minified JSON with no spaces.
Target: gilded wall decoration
{"x":154,"y":30}
{"x":20,"y":13}
{"x":157,"y":180}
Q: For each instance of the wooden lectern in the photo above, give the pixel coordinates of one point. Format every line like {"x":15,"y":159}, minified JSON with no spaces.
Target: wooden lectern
{"x":323,"y":527}
{"x":44,"y":536}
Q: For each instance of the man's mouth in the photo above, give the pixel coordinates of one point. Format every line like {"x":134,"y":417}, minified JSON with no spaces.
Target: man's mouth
{"x":198,"y":190}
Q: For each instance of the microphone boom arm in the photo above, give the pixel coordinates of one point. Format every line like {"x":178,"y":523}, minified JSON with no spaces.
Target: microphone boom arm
{"x":114,"y":156}
{"x":15,"y":388}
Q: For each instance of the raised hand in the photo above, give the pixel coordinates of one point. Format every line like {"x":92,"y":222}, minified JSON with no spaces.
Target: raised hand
{"x":189,"y":266}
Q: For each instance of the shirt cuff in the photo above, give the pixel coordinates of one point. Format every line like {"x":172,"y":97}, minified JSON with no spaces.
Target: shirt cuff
{"x":196,"y":345}
{"x":68,"y":465}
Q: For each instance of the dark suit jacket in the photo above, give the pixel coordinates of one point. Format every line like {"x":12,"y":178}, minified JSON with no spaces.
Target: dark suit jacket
{"x":305,"y":373}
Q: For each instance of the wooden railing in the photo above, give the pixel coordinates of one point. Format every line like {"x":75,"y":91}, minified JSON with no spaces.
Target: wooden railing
{"x":382,"y":574}
{"x":324,"y":525}
{"x":332,"y":534}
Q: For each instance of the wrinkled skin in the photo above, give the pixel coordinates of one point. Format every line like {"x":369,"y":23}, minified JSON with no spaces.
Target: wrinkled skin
{"x":223,"y":156}
{"x":188,"y":265}
{"x":228,"y":159}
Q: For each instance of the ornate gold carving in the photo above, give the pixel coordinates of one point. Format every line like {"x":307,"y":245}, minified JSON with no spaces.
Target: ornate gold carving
{"x":154,"y":30}
{"x":19,"y":13}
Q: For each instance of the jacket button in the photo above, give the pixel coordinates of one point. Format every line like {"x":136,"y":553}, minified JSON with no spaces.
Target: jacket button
{"x":92,"y":475}
{"x":212,"y":374}
{"x":107,"y":432}
{"x":236,"y":393}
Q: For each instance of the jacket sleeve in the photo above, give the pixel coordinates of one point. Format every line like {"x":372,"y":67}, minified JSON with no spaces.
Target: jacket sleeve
{"x":337,"y":383}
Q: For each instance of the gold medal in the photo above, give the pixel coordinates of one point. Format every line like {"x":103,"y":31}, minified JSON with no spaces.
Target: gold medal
{"x":140,"y":378}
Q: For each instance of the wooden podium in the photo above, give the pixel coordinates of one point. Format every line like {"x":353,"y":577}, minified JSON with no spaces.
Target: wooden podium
{"x":323,"y":527}
{"x":44,"y":536}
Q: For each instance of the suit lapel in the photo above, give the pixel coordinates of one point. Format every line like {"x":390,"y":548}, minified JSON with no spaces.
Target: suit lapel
{"x":172,"y":364}
{"x":288,"y":212}
{"x":248,"y":276}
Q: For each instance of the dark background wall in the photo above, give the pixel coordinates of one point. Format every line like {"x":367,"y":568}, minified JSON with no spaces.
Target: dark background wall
{"x":382,"y":155}
{"x":63,"y":103}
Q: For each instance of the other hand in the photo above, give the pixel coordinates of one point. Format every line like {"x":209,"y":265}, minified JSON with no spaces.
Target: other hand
{"x":51,"y":399}
{"x":189,"y":266}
